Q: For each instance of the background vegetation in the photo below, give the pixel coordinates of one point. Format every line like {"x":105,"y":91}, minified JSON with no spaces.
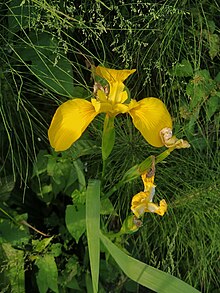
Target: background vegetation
{"x":45,"y":51}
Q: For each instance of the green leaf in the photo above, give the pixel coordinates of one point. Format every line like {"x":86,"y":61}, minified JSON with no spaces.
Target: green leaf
{"x":217,"y":78}
{"x":13,"y":270}
{"x":144,"y":274}
{"x":92,"y":229}
{"x":76,"y":220}
{"x":79,"y":197}
{"x":107,"y":207}
{"x":56,"y":249}
{"x":40,"y":245}
{"x":83,"y":147}
{"x":80,"y":174}
{"x":6,"y":186}
{"x":199,"y":88}
{"x":47,"y":275}
{"x":48,"y":63}
{"x":212,"y":106}
{"x":19,"y":16}
{"x":214,"y":43}
{"x":9,"y":232}
{"x":182,"y":69}
{"x":40,"y":165}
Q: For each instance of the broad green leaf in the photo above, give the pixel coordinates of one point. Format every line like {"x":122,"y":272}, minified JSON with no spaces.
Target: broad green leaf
{"x":53,"y":69}
{"x":214,"y":45}
{"x":62,"y":173}
{"x":56,"y":249}
{"x":6,"y":186}
{"x":182,"y":69}
{"x":19,"y":16}
{"x":199,"y":88}
{"x":76,"y":220}
{"x":92,"y":229}
{"x":47,"y":275}
{"x":9,"y":232}
{"x":217,"y":78}
{"x":212,"y":105}
{"x":13,"y":270}
{"x":106,"y":207}
{"x":68,"y":275}
{"x":144,"y":274}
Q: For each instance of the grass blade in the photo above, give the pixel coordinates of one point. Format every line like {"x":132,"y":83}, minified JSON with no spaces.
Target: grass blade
{"x":144,"y":274}
{"x":92,"y":228}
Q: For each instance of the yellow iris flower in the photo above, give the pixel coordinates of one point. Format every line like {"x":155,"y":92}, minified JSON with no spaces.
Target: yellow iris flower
{"x":142,"y":202}
{"x":150,"y":116}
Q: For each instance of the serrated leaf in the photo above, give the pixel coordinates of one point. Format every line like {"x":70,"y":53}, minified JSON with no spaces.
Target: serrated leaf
{"x":76,"y":220}
{"x":40,"y":245}
{"x":47,"y":275}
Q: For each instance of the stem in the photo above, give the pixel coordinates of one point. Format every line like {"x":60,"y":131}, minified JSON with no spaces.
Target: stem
{"x":138,"y":170}
{"x":103,"y":169}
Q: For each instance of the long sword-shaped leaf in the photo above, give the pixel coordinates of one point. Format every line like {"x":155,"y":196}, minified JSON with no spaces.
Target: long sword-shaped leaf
{"x":92,"y":228}
{"x":144,"y":274}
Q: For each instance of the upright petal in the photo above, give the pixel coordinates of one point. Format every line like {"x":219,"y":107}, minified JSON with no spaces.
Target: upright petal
{"x":150,"y":116}
{"x":69,"y":122}
{"x":113,"y":75}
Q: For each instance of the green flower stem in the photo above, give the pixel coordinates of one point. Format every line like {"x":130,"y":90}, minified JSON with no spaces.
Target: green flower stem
{"x":108,"y":140}
{"x":137,"y":170}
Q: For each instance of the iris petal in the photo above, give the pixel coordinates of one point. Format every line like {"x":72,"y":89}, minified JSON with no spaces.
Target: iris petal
{"x":150,"y":116}
{"x":69,"y":122}
{"x":113,"y":75}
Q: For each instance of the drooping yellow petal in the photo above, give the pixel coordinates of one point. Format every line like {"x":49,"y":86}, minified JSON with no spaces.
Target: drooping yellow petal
{"x":154,"y":208}
{"x":139,"y":204}
{"x":150,"y":116}
{"x":171,"y":141}
{"x":113,"y":75}
{"x":69,"y":122}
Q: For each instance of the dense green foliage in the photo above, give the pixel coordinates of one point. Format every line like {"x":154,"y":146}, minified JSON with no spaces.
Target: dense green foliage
{"x":46,"y":49}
